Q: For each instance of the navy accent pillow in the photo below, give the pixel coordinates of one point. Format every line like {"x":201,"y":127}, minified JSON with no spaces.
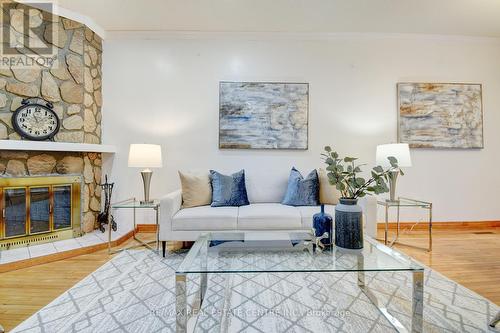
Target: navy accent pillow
{"x":302,"y":191}
{"x":228,"y":190}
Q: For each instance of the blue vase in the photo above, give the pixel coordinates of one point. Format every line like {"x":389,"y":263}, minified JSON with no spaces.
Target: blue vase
{"x":323,"y":223}
{"x":349,"y":224}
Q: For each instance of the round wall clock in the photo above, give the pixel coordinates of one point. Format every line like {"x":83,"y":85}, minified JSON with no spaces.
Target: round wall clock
{"x":36,"y":120}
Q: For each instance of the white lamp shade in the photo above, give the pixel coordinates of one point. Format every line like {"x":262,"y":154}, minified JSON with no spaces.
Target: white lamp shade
{"x":144,"y":156}
{"x":401,"y":151}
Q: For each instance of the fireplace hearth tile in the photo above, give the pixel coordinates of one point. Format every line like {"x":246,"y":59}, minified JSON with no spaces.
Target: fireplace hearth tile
{"x":14,"y":255}
{"x":66,"y":245}
{"x":118,"y":234}
{"x":89,"y":240}
{"x":103,"y":236}
{"x":34,"y":251}
{"x":41,"y":250}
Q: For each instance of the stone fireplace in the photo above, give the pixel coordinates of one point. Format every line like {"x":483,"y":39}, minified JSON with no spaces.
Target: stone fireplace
{"x":73,"y":85}
{"x":39,"y":209}
{"x":35,"y":165}
{"x":23,"y":164}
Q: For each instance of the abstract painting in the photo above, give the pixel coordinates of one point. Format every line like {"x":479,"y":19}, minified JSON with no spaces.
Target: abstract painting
{"x":263,"y":115}
{"x":440,"y":115}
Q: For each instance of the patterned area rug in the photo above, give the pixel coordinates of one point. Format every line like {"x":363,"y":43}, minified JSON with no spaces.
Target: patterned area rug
{"x":134,"y":292}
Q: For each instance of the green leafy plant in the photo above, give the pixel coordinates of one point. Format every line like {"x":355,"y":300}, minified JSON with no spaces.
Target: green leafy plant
{"x":344,"y":173}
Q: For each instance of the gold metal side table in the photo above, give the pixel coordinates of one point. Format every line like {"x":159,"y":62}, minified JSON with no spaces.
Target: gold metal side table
{"x":404,"y":203}
{"x":134,"y":204}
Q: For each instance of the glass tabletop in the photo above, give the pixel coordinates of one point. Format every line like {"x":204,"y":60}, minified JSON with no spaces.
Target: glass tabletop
{"x":132,"y":203}
{"x":255,"y":252}
{"x":405,"y":202}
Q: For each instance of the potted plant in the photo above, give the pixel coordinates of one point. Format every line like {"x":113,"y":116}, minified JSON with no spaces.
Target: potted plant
{"x":345,"y":175}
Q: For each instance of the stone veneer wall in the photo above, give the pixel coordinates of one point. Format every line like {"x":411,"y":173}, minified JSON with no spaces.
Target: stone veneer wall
{"x":73,"y":85}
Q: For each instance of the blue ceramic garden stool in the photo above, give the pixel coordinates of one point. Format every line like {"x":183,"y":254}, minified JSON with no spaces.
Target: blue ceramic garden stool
{"x":349,"y":224}
{"x":323,"y":223}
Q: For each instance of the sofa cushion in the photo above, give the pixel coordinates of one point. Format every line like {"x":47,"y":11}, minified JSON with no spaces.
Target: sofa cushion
{"x":263,"y":216}
{"x":196,"y":189}
{"x":205,"y":218}
{"x":328,"y":194}
{"x":228,"y":190}
{"x":267,"y":184}
{"x":307,"y":213}
{"x":302,"y":191}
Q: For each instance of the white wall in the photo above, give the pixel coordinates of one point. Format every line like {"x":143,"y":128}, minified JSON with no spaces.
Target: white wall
{"x":164,"y":89}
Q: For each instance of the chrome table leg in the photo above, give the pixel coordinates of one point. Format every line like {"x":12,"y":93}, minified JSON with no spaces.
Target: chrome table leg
{"x":386,"y":231}
{"x":430,"y":228}
{"x":395,"y":239}
{"x":393,"y":320}
{"x":417,"y":302}
{"x":361,"y":283}
{"x":157,"y":218}
{"x":181,"y":303}
{"x":203,"y":277}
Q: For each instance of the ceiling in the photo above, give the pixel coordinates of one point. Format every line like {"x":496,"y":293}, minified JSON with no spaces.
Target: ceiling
{"x":443,"y":17}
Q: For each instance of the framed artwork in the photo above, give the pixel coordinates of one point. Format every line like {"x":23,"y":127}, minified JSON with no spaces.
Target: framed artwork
{"x":263,"y":115}
{"x":440,"y":115}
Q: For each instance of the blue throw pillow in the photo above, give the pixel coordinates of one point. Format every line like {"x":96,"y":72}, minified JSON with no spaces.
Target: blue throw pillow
{"x":300,"y":191}
{"x":228,"y":190}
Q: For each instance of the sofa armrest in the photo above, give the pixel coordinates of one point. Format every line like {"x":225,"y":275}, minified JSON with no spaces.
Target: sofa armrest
{"x":170,"y":204}
{"x":369,"y":205}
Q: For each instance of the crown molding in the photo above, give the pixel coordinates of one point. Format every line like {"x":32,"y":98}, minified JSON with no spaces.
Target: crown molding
{"x":164,"y":34}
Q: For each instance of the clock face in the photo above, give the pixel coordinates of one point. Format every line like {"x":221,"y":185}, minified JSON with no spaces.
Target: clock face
{"x":35,"y":122}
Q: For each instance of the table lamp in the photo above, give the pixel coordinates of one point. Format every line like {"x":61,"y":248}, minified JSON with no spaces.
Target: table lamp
{"x":145,"y":156}
{"x":401,"y":151}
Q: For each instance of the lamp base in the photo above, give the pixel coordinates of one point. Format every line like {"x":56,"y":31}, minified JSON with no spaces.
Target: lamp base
{"x":146,"y":178}
{"x":144,"y":202}
{"x":393,"y":178}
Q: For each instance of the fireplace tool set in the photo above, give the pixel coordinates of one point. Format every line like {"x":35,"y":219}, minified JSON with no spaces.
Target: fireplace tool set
{"x":105,"y":216}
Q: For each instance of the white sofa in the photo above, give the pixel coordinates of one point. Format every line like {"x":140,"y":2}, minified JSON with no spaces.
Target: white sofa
{"x":265,"y":213}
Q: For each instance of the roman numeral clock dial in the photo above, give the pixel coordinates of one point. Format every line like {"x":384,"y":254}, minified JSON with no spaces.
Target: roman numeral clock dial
{"x":35,"y":120}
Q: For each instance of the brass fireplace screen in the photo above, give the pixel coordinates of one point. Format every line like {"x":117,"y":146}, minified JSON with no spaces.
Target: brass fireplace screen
{"x":38,"y":206}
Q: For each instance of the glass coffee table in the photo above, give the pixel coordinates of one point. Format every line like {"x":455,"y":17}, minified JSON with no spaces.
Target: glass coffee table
{"x":277,"y":252}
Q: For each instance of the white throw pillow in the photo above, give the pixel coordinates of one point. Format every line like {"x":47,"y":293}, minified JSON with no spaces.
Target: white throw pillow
{"x":196,"y":189}
{"x":328,"y":194}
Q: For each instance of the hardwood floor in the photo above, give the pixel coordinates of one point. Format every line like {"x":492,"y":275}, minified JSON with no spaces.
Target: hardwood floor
{"x":468,"y":256}
{"x":25,"y":291}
